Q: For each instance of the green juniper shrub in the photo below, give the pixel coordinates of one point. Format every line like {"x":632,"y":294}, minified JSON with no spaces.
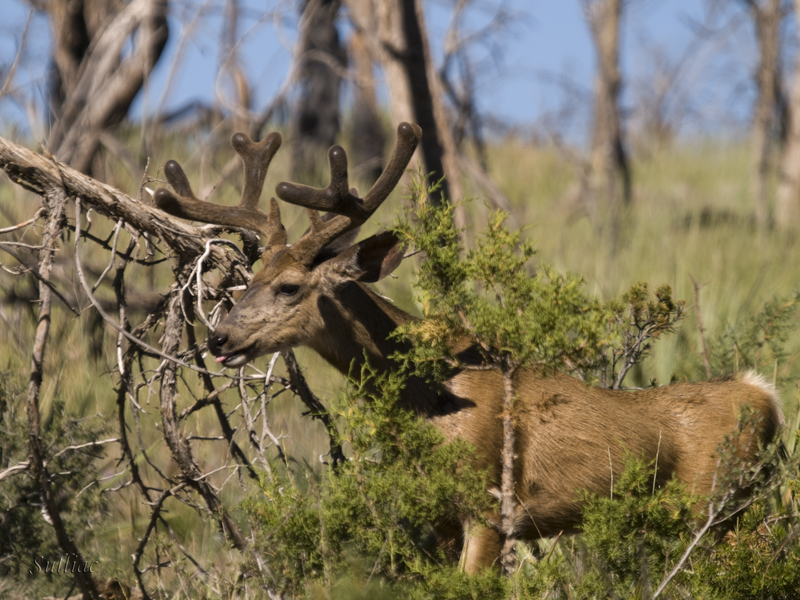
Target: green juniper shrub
{"x":637,"y":535}
{"x":26,"y":538}
{"x":376,"y":516}
{"x":631,"y":535}
{"x":759,"y":341}
{"x":517,"y":312}
{"x":637,"y":320}
{"x":370,"y":529}
{"x":493,"y":296}
{"x":755,"y":552}
{"x":759,"y":558}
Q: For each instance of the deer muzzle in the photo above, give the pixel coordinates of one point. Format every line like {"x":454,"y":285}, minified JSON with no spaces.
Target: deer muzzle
{"x":216,"y":343}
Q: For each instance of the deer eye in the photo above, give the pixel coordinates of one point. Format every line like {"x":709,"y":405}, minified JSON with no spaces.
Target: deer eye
{"x":288,"y":289}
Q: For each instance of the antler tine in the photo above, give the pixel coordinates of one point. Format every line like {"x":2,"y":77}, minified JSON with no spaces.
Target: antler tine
{"x":335,"y":198}
{"x":351,"y":211}
{"x":408,"y":137}
{"x":256,"y":157}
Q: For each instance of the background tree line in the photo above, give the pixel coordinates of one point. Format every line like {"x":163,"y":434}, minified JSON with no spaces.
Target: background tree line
{"x":103,"y":52}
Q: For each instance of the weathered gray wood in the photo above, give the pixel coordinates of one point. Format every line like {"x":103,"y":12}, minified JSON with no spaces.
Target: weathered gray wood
{"x":43,"y":174}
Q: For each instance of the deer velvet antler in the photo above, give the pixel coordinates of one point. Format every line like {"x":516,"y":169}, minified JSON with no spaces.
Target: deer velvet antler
{"x":256,"y":157}
{"x":351,"y":211}
{"x":346,"y":211}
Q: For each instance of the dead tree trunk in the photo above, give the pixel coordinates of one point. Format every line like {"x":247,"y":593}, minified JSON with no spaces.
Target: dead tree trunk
{"x":315,"y":121}
{"x":787,"y":208}
{"x":368,"y":134}
{"x":75,"y":23}
{"x":99,"y":75}
{"x":239,"y":103}
{"x":397,"y":37}
{"x":609,"y":171}
{"x":767,"y":16}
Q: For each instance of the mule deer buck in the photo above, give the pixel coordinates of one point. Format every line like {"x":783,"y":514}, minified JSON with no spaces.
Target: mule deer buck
{"x":313,"y":294}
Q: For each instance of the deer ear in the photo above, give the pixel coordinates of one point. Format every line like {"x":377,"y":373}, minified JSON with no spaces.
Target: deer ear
{"x":369,"y":260}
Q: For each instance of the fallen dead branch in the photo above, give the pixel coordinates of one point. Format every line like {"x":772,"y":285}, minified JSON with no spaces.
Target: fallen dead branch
{"x":152,"y":357}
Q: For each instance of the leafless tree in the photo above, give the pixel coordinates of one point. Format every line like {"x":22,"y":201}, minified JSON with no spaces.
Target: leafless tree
{"x":398,"y":38}
{"x":231,"y":69}
{"x":368,"y":152}
{"x":662,"y":94}
{"x":459,"y":71}
{"x":74,"y":25}
{"x":322,"y":61}
{"x":609,"y":171}
{"x":98,"y":74}
{"x":767,"y":16}
{"x":787,"y":208}
{"x":147,"y":371}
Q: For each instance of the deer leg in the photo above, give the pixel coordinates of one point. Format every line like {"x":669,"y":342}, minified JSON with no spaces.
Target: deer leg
{"x":481,"y":547}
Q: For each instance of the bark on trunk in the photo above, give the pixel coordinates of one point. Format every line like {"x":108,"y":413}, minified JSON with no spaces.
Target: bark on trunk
{"x":239,"y":104}
{"x":75,"y":23}
{"x":787,"y":209}
{"x":397,"y":36}
{"x":368,"y":135}
{"x":315,"y":122}
{"x":609,"y":171}
{"x":767,"y":18}
{"x":98,"y":85}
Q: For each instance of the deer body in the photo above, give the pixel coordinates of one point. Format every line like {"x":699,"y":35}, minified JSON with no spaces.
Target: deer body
{"x":570,"y":437}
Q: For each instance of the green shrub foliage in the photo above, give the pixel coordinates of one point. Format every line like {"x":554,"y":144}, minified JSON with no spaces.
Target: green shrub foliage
{"x":759,"y":341}
{"x":377,"y":516}
{"x":632,"y":541}
{"x":494,"y":297}
{"x":517,"y":313}
{"x":27,"y":540}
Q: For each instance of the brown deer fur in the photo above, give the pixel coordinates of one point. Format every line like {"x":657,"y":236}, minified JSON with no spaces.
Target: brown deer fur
{"x":570,"y":436}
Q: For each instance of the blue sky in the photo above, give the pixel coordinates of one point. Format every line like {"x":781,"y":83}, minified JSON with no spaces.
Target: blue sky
{"x":544,"y":51}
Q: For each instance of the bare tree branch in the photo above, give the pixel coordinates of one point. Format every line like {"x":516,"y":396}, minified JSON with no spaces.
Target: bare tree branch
{"x":54,"y":203}
{"x":12,"y":71}
{"x":178,"y":445}
{"x":42,"y":175}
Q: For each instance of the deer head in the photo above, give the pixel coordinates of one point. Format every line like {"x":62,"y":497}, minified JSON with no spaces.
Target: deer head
{"x":280,"y":308}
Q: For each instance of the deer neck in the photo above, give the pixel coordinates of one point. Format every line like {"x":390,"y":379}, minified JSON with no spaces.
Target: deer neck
{"x":357,"y":325}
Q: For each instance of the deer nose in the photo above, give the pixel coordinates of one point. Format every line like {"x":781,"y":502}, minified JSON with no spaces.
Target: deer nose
{"x":216,"y":341}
